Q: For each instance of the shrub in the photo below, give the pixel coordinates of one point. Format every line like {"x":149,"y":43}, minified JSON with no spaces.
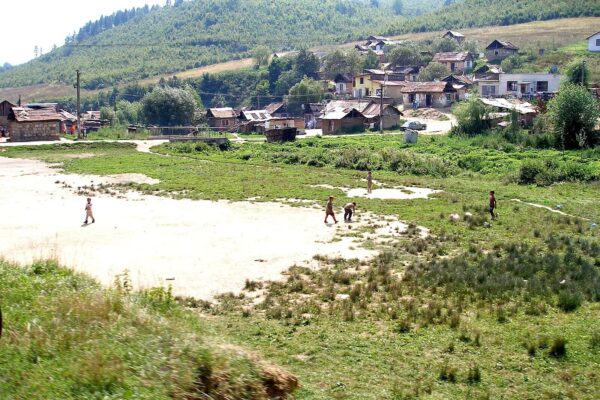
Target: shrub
{"x":448,"y":373}
{"x":474,"y":375}
{"x":558,"y":348}
{"x":569,"y":300}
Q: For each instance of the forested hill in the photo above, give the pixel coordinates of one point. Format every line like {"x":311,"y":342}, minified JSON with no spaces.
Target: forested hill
{"x":195,"y":33}
{"x":477,"y":13}
{"x":202,"y":32}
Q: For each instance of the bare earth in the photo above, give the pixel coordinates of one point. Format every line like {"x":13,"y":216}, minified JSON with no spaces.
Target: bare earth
{"x":201,"y":248}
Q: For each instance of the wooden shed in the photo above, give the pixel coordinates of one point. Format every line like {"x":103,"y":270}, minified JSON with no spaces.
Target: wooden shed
{"x":221,"y":119}
{"x":342,"y":121}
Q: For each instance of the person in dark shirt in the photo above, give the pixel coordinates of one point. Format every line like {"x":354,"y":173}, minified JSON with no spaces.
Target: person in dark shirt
{"x":493,"y":204}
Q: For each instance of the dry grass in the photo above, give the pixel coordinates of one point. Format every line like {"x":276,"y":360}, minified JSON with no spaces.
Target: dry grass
{"x":547,"y":34}
{"x":198,"y":72}
{"x":38,"y":92}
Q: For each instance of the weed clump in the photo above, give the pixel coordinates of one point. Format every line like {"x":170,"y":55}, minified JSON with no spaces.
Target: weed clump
{"x":558,"y":348}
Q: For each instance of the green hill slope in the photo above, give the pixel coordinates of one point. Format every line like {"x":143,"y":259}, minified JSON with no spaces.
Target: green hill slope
{"x":192,"y":34}
{"x":197,"y":33}
{"x":477,"y":13}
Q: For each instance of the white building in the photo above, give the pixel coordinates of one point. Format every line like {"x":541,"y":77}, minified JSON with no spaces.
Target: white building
{"x":520,"y":85}
{"x":594,"y":42}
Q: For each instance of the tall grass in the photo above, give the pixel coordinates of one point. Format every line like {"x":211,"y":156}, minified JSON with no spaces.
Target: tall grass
{"x":67,"y":338}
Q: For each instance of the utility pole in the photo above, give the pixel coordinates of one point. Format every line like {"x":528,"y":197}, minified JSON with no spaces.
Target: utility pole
{"x":78,"y":86}
{"x":583,"y":73}
{"x":381,"y":88}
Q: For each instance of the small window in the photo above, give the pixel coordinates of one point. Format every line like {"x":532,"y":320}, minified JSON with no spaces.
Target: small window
{"x":511,"y":86}
{"x":362,"y":81}
{"x":452,"y":67}
{"x":496,"y":52}
{"x":598,"y":42}
{"x":542,"y":86}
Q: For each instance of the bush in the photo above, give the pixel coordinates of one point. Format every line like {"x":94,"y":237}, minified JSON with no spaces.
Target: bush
{"x":558,"y":348}
{"x":569,"y":300}
{"x":474,"y":375}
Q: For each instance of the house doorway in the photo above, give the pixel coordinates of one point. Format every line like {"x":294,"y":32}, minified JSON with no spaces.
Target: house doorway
{"x":428,"y":100}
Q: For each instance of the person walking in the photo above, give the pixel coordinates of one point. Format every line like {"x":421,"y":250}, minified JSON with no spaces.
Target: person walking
{"x":329,"y":210}
{"x":493,"y":204}
{"x":88,"y":212}
{"x":369,"y":182}
{"x":349,"y":209}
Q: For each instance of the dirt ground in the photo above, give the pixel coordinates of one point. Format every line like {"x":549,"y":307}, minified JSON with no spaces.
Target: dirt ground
{"x":201,"y":248}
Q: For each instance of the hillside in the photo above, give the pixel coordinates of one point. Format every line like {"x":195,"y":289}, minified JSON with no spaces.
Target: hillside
{"x":198,"y":33}
{"x":195,"y":33}
{"x":479,"y":13}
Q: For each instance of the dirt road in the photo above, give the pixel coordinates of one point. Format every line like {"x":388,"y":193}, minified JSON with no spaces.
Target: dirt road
{"x":201,"y":248}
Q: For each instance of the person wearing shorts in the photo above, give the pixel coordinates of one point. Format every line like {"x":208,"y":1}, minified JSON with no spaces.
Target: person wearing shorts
{"x":88,"y":212}
{"x":349,"y":209}
{"x":329,"y":210}
{"x":493,"y":204}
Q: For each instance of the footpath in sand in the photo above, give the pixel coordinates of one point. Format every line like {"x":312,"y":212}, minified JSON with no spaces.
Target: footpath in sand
{"x":200,"y":248}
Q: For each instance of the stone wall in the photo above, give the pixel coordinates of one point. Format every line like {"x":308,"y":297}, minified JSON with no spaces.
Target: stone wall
{"x":32,"y":131}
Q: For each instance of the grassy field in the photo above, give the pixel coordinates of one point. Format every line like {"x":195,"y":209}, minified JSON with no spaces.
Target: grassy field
{"x":479,"y":309}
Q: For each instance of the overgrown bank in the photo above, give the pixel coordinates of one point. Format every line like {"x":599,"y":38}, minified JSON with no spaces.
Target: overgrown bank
{"x":64,"y":337}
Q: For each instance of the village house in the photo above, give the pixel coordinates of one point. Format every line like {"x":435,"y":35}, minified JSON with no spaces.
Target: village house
{"x":341,"y":116}
{"x":487,"y":80}
{"x":342,"y":120}
{"x":221,"y":119}
{"x":498,"y":50}
{"x":5,"y":110}
{"x":594,"y":42}
{"x":277,"y":110}
{"x":374,"y":112}
{"x":369,"y":82}
{"x":529,"y":84}
{"x":34,"y":122}
{"x":344,"y":84}
{"x":453,"y":35}
{"x":462,"y":83}
{"x":527,"y":112}
{"x":253,"y":120}
{"x":312,"y":115}
{"x":428,"y":94}
{"x":456,"y":62}
{"x":410,"y":72}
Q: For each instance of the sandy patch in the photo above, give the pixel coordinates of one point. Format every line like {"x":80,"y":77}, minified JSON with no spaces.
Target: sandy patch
{"x":394,"y":193}
{"x":81,"y":155}
{"x":130,"y":178}
{"x":201,"y":248}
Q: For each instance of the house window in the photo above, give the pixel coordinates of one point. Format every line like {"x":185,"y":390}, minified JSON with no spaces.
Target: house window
{"x":542,"y":86}
{"x":362,"y":81}
{"x":597,"y":42}
{"x":367,"y":92}
{"x":496,"y":52}
{"x":511,"y":86}
{"x":488,"y":90}
{"x":452,"y":67}
{"x":226,"y":122}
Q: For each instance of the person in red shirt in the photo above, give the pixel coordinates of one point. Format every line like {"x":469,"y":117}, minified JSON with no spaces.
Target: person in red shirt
{"x":493,"y":204}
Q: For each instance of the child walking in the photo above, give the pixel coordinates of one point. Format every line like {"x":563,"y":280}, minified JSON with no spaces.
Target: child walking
{"x":88,"y":212}
{"x":493,"y":204}
{"x":329,"y":210}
